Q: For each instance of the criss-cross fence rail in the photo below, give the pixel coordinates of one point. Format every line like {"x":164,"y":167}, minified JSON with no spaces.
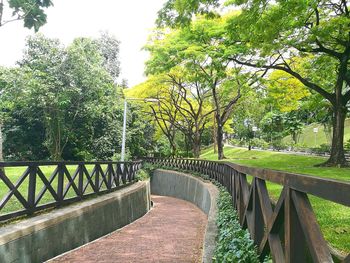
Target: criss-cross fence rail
{"x":287,"y":230}
{"x":28,"y":187}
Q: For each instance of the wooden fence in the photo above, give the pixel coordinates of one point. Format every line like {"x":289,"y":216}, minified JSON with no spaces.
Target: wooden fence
{"x":42,"y":185}
{"x":288,"y":229}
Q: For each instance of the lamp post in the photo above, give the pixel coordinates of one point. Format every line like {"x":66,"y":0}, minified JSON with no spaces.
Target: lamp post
{"x":122,"y":157}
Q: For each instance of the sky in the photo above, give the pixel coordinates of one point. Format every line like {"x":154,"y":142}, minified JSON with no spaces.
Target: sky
{"x":130,"y":21}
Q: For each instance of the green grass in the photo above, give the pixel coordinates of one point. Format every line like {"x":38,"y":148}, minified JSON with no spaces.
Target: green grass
{"x":307,"y":138}
{"x":334,"y":219}
{"x":14,"y":173}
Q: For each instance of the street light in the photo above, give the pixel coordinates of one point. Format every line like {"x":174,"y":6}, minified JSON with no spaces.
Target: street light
{"x":122,"y":157}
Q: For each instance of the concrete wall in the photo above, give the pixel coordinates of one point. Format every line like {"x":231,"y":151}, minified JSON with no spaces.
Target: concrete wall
{"x":195,"y":190}
{"x":48,"y":235}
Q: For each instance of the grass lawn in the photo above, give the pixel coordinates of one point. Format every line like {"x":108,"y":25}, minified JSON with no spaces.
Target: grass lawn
{"x":307,"y":137}
{"x":14,"y":173}
{"x":334,"y":219}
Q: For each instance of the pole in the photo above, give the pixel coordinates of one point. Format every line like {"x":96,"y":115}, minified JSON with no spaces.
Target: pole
{"x":122,"y":157}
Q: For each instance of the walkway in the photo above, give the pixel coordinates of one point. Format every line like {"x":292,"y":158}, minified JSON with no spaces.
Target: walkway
{"x":173,"y":231}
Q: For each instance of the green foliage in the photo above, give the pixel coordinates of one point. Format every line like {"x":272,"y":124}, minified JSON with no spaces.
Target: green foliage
{"x":146,"y":171}
{"x":32,"y":12}
{"x":237,"y":142}
{"x":109,"y":47}
{"x":260,"y":143}
{"x":62,"y":103}
{"x":323,"y":148}
{"x":180,"y":12}
{"x":279,"y":145}
{"x":305,"y":43}
{"x":234,"y":244}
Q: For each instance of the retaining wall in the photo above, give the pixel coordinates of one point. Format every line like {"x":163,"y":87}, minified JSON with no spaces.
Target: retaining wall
{"x":48,"y":235}
{"x":195,"y":190}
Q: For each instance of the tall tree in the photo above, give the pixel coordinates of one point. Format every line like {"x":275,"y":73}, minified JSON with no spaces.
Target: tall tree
{"x":164,"y":111}
{"x":109,"y":46}
{"x":33,"y":15}
{"x":202,"y":48}
{"x":65,"y":83}
{"x":318,"y":29}
{"x":191,"y":100}
{"x":271,"y":34}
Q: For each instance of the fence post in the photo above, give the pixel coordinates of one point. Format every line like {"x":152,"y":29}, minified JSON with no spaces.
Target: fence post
{"x":60,"y":183}
{"x":97,"y":178}
{"x":31,"y":188}
{"x":293,"y":234}
{"x":81,"y":180}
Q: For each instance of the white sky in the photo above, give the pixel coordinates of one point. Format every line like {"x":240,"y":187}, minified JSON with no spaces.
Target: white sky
{"x":129,"y":21}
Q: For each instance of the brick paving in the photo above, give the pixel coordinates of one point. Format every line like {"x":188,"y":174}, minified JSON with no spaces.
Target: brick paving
{"x":173,"y":231}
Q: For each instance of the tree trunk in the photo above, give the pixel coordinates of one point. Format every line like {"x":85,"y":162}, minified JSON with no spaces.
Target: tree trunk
{"x":173,"y":150}
{"x":295,"y":137}
{"x":196,"y":145}
{"x":215,"y":136}
{"x":220,"y":141}
{"x":337,"y":157}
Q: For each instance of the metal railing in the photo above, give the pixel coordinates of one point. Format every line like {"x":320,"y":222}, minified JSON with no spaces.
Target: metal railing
{"x":28,"y":187}
{"x":287,"y":230}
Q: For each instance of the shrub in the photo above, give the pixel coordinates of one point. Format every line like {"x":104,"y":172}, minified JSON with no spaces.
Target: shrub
{"x":278,"y":145}
{"x":260,"y":143}
{"x":300,"y":147}
{"x":323,"y":148}
{"x":237,"y":142}
{"x":146,"y":171}
{"x":234,"y":243}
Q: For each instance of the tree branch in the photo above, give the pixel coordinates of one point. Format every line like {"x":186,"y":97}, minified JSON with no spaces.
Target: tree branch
{"x":303,"y":80}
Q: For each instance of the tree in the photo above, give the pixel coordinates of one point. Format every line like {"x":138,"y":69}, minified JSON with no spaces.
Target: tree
{"x":201,"y":49}
{"x":190,"y":100}
{"x":33,"y":15}
{"x":270,"y":35}
{"x":66,"y":83}
{"x":306,"y":29}
{"x":30,"y":11}
{"x":44,"y":61}
{"x":164,"y":112}
{"x":109,"y":47}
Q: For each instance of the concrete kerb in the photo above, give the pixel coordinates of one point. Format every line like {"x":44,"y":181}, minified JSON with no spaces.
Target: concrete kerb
{"x":200,"y":192}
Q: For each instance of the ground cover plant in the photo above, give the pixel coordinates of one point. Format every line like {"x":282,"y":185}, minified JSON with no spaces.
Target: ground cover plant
{"x":233,"y":243}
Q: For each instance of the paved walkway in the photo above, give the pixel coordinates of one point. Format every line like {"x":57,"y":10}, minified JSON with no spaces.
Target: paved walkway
{"x":173,"y":231}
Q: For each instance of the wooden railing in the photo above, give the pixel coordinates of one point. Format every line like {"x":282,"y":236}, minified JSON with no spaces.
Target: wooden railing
{"x":287,"y":230}
{"x":28,"y":187}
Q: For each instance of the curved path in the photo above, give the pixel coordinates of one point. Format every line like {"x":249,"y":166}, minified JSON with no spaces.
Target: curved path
{"x":173,"y":231}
